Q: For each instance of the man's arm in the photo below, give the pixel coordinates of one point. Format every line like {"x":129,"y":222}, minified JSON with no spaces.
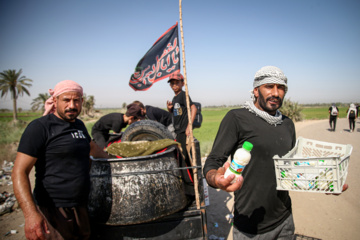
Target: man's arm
{"x":97,"y":152}
{"x":35,"y":224}
{"x":193,"y":112}
{"x":193,"y":115}
{"x":216,"y":163}
{"x":169,"y":106}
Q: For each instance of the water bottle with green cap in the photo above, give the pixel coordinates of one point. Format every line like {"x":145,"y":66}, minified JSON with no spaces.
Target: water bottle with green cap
{"x":242,"y":157}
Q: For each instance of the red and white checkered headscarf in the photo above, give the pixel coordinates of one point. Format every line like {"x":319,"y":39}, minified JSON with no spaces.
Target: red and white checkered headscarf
{"x":60,"y":88}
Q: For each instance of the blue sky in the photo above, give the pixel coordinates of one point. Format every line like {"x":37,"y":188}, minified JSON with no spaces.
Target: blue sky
{"x":98,"y":44}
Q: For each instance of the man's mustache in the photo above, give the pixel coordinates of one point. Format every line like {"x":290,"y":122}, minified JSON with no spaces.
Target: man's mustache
{"x":71,"y":110}
{"x":278,"y":99}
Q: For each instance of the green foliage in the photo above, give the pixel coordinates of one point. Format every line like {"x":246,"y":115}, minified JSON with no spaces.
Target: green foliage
{"x":292,"y":110}
{"x":25,"y":116}
{"x":314,"y":113}
{"x":11,"y":132}
{"x":88,"y":105}
{"x":89,"y":126}
{"x":12,"y":81}
{"x":211,"y":121}
{"x":39,"y":102}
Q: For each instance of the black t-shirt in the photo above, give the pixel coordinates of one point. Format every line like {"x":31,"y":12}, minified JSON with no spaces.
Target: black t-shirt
{"x":259,"y":207}
{"x":111,"y":121}
{"x":180,"y":112}
{"x":62,"y":150}
{"x":158,"y":114}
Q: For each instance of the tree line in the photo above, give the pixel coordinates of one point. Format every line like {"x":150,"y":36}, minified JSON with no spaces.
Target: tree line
{"x":12,"y":81}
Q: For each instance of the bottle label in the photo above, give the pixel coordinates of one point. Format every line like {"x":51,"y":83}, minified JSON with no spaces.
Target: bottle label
{"x":236,"y":168}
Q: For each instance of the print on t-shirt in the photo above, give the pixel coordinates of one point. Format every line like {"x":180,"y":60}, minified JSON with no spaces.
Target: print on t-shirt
{"x":177,"y":110}
{"x":78,"y":134}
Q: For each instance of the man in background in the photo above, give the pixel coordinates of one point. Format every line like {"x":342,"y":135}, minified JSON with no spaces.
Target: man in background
{"x":333,"y":112}
{"x":114,"y":122}
{"x":158,"y":115}
{"x":178,"y":108}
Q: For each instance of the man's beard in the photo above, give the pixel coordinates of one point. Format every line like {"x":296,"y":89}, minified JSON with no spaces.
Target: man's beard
{"x":272,"y":108}
{"x":72,"y":116}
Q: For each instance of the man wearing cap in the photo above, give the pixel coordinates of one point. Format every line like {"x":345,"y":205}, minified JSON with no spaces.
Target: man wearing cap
{"x":59,"y":147}
{"x":114,"y":122}
{"x":178,"y":108}
{"x":261,"y":212}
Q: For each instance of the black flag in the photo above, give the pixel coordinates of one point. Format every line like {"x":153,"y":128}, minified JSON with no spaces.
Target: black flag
{"x":159,"y":62}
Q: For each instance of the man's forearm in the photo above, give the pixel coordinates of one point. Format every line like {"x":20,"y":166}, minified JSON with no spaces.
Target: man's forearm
{"x":22,"y":191}
{"x":210,"y":178}
{"x":96,"y":151}
{"x":193,"y":113}
{"x":21,"y":183}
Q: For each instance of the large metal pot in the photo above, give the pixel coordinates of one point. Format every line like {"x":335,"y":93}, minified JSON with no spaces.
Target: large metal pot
{"x":135,"y":190}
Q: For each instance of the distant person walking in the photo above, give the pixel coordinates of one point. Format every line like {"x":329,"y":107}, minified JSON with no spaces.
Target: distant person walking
{"x":352,"y":115}
{"x":333,"y":112}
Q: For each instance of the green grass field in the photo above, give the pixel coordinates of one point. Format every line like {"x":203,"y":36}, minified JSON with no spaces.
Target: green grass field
{"x":211,"y":121}
{"x":212,"y":117}
{"x":313,"y":113}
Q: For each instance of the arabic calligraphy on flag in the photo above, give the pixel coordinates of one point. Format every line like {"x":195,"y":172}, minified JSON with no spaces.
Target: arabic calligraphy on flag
{"x":159,"y":62}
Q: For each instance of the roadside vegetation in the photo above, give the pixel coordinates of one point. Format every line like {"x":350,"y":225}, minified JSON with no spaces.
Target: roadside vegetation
{"x":11,"y":131}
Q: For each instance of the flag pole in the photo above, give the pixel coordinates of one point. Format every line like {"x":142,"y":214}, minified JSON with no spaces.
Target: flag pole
{"x":193,"y":159}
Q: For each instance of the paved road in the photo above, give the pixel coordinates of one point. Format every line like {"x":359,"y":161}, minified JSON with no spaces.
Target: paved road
{"x":331,"y":217}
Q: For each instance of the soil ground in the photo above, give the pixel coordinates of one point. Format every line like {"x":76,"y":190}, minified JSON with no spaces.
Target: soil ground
{"x":316,"y":215}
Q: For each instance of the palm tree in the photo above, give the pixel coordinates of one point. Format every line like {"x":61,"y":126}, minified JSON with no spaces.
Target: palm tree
{"x":11,"y":81}
{"x":39,"y":102}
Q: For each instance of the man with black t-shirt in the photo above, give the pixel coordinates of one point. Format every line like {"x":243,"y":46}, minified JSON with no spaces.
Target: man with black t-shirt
{"x":59,"y":147}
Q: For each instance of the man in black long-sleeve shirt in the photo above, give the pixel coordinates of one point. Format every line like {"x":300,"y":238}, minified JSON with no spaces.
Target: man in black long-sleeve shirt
{"x":260,"y":210}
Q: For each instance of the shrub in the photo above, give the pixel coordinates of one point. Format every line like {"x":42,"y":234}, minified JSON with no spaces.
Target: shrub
{"x":292,"y":110}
